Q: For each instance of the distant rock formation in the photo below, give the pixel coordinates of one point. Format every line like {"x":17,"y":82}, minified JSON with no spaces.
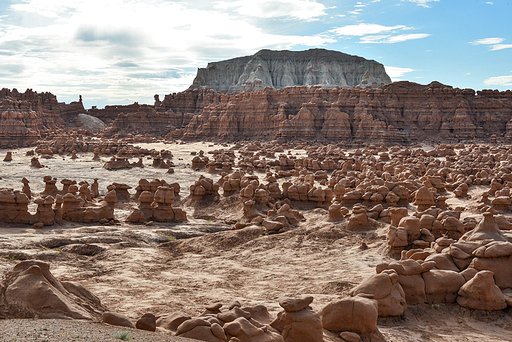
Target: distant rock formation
{"x":401,"y":112}
{"x":281,"y":69}
{"x":91,"y":123}
{"x":24,"y":116}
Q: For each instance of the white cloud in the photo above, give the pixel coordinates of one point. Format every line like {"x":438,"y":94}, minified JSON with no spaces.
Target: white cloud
{"x":396,"y":72}
{"x":364,"y":29}
{"x":490,"y":3}
{"x":424,"y":3}
{"x":387,"y":39}
{"x":120,"y":51}
{"x":374,"y":39}
{"x":487,"y":41}
{"x":297,"y":9}
{"x":501,"y":47}
{"x":499,"y":81}
{"x":494,"y":42}
{"x":378,"y":34}
{"x":405,"y":37}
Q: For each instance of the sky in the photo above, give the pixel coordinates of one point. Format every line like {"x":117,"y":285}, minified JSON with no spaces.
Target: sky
{"x":126,"y":51}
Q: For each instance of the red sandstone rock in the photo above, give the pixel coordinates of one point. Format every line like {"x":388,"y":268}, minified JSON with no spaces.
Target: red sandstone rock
{"x":31,"y":290}
{"x":355,"y":314}
{"x":385,"y":288}
{"x":386,"y":113}
{"x":481,"y":293}
{"x":298,"y":322}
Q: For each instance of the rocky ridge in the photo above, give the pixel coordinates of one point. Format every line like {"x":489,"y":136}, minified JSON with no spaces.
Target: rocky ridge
{"x":25,"y":116}
{"x":401,"y":112}
{"x":279,"y":69}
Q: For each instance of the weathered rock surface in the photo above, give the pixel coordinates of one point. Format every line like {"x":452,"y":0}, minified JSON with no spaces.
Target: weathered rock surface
{"x":24,"y":116}
{"x":30,"y":290}
{"x":281,"y":69}
{"x":481,"y":293}
{"x":400,"y":112}
{"x":298,"y":322}
{"x":385,"y":288}
{"x":356,"y":314}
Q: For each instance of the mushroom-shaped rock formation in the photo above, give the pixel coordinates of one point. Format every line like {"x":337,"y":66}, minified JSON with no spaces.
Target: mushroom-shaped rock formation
{"x":26,"y":188}
{"x":157,"y":207}
{"x":481,"y":293}
{"x":487,"y":229}
{"x":424,"y":199}
{"x":358,"y":221}
{"x":385,"y":288}
{"x":298,"y":322}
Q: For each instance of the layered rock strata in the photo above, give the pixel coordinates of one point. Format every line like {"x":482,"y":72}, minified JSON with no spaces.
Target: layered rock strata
{"x":280,"y":69}
{"x":401,"y":112}
{"x":25,"y":116}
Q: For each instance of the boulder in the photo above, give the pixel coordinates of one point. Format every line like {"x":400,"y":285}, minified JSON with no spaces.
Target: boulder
{"x":481,"y":293}
{"x":245,"y":331}
{"x":355,"y":314}
{"x":442,"y":286}
{"x":385,"y":288}
{"x":113,"y":318}
{"x":146,"y":322}
{"x":32,"y":291}
{"x":298,"y":322}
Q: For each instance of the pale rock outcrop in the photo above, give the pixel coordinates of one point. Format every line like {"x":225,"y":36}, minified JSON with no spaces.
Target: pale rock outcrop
{"x":280,"y":69}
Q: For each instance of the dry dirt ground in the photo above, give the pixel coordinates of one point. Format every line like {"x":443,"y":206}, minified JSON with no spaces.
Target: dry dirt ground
{"x":164,"y":268}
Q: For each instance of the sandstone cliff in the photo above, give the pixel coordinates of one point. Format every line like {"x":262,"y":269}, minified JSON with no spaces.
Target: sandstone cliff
{"x":401,"y":112}
{"x":281,"y":69}
{"x":24,"y":116}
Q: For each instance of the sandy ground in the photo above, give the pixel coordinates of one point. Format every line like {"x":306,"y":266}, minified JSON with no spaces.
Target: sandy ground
{"x":167,"y":267}
{"x":53,"y":330}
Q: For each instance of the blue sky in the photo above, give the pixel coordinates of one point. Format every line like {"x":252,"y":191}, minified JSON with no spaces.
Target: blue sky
{"x":122,"y":51}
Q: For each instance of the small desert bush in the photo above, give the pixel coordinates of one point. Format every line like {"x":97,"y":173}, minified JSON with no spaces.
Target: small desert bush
{"x":124,"y":336}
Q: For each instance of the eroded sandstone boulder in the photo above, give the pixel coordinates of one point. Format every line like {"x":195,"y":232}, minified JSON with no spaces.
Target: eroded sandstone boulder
{"x":32,"y":291}
{"x":481,"y":293}
{"x":298,"y":322}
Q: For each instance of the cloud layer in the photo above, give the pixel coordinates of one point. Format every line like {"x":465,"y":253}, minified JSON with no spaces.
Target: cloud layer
{"x":499,"y":81}
{"x":378,"y":34}
{"x":493,"y":43}
{"x":424,"y":3}
{"x":120,"y":51}
{"x":92,"y":47}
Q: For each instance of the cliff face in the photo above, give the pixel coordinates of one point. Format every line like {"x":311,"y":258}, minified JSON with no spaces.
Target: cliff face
{"x":281,"y":69}
{"x":24,"y":116}
{"x":401,"y":112}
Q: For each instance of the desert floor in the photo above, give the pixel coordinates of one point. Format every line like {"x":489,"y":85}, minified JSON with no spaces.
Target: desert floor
{"x":165,"y":268}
